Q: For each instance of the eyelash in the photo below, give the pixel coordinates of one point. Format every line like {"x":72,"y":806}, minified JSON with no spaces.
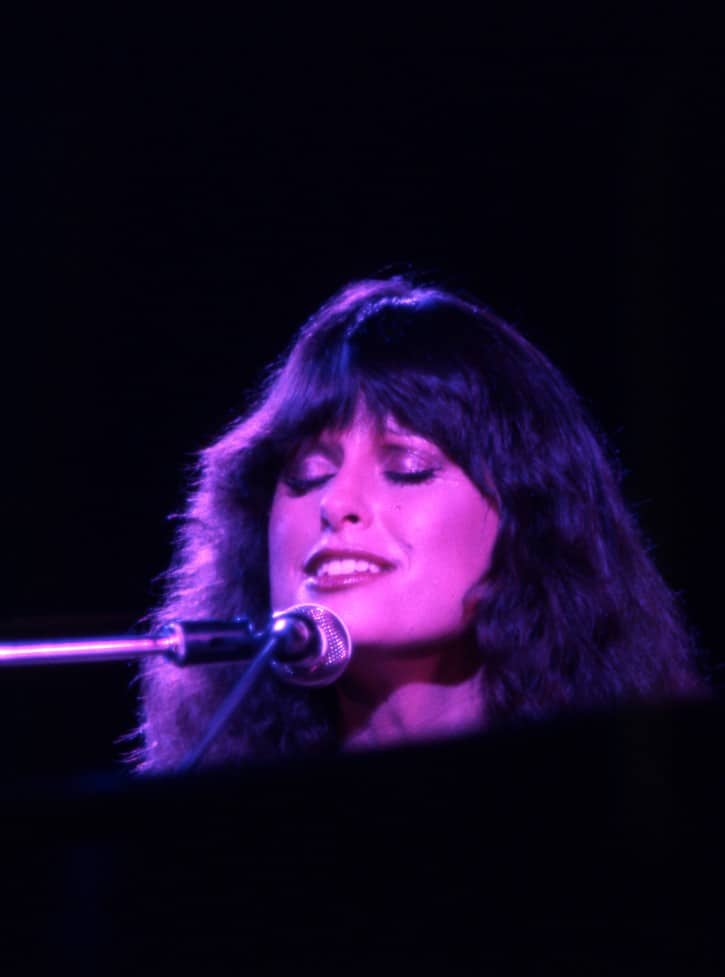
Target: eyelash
{"x":299,"y":486}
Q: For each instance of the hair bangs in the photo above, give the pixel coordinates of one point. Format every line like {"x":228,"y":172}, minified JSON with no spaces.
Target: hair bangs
{"x":418,"y":362}
{"x":396,"y":363}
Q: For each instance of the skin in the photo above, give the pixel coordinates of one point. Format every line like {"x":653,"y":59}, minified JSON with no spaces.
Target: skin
{"x":395,"y":496}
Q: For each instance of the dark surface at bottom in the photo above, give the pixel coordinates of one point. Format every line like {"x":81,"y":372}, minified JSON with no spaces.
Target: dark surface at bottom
{"x":588,"y":846}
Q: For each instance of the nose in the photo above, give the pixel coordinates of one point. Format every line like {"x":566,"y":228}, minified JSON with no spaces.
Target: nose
{"x":345,"y":501}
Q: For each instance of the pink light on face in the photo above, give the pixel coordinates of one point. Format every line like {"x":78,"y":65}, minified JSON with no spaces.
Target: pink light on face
{"x":383,"y":528}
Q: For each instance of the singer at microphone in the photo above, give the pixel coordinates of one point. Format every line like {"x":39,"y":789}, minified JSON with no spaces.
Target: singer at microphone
{"x":419,"y":468}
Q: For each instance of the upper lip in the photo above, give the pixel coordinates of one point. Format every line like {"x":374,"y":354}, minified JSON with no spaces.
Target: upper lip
{"x":321,"y":556}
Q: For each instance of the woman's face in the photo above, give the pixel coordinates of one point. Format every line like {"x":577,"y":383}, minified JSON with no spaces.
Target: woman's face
{"x":384,"y":529}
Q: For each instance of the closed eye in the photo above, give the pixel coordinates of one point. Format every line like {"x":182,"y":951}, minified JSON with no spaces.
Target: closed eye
{"x":411,"y":478}
{"x":299,"y":486}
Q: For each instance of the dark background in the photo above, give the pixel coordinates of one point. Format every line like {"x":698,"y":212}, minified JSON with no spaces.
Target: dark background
{"x":181,"y":197}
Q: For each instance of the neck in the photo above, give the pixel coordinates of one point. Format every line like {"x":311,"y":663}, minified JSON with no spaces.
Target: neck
{"x":424,"y":697}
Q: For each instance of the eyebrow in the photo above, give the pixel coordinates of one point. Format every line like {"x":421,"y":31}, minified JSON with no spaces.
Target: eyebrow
{"x":406,"y":433}
{"x":320,"y":445}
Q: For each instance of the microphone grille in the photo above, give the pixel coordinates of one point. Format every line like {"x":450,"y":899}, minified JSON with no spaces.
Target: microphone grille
{"x":331,"y":654}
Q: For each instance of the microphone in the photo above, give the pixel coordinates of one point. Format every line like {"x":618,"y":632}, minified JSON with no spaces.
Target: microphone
{"x":320,"y":650}
{"x":305,"y":645}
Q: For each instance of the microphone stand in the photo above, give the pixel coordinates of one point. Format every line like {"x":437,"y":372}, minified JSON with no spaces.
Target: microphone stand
{"x":305,"y":645}
{"x":183,"y":642}
{"x":230,"y":704}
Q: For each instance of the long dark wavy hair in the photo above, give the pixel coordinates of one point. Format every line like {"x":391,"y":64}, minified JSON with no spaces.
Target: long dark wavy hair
{"x":574,"y":615}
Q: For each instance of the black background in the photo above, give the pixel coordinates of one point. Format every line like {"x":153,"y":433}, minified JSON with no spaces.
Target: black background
{"x":181,"y":195}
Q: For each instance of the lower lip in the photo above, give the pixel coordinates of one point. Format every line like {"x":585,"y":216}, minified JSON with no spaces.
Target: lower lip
{"x":327,"y":582}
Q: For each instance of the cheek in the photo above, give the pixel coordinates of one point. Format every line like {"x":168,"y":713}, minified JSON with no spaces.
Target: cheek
{"x":292,"y":532}
{"x":451,"y":544}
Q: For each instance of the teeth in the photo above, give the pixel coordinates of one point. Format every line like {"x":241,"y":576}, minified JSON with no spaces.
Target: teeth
{"x":334,"y":568}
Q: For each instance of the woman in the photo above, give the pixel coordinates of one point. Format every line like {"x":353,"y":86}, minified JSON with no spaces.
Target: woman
{"x":417,"y":466}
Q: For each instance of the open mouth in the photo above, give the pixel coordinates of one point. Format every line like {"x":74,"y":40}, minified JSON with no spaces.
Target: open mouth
{"x":328,"y":572}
